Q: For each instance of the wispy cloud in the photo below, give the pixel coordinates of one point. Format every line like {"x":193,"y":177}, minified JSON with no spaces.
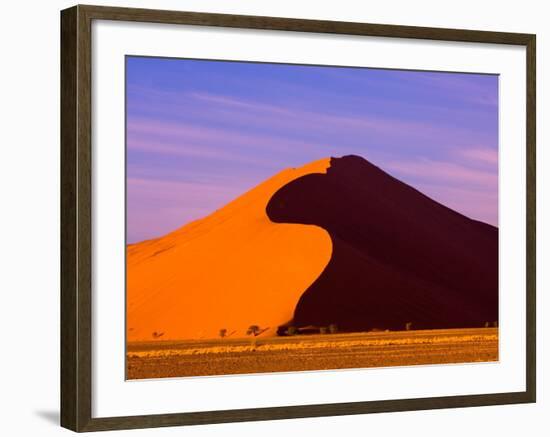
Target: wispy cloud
{"x":446,"y":173}
{"x":482,"y":155}
{"x":180,"y":147}
{"x":177,"y":137}
{"x":175,"y":202}
{"x":252,"y":115}
{"x":472,"y":202}
{"x":224,"y":127}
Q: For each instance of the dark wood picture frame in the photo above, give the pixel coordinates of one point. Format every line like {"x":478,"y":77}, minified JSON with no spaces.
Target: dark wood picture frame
{"x":76,"y":221}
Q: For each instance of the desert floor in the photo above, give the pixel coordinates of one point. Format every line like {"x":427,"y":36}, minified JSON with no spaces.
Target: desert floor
{"x":160,"y":359}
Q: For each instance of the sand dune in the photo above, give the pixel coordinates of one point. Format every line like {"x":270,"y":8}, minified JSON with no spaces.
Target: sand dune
{"x":397,"y":256}
{"x":229,"y":270}
{"x":337,"y":241}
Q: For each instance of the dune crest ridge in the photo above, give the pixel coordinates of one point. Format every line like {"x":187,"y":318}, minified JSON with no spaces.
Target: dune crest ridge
{"x":229,"y":270}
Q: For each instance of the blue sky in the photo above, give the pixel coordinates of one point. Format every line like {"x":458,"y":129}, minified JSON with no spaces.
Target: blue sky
{"x":199,"y":133}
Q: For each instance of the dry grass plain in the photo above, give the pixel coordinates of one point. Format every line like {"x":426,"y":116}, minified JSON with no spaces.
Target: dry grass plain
{"x":161,"y":359}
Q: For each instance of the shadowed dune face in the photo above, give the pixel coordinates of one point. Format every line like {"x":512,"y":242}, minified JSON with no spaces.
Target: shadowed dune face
{"x":397,"y":256}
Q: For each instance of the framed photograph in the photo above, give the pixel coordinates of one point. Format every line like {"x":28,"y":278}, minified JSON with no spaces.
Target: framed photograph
{"x":268,"y":218}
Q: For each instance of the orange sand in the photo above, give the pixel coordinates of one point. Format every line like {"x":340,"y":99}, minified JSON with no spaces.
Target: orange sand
{"x":231,"y":269}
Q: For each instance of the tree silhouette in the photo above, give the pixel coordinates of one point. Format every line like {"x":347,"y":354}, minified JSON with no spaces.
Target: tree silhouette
{"x":253,"y":330}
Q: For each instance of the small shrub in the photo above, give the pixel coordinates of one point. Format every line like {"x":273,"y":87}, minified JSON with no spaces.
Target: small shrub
{"x":333,"y":328}
{"x":223,"y":332}
{"x":291,"y":330}
{"x":253,"y":330}
{"x":323,"y":330}
{"x":408,"y":326}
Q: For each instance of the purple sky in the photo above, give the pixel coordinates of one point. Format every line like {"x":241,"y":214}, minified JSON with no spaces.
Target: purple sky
{"x":200,"y":133}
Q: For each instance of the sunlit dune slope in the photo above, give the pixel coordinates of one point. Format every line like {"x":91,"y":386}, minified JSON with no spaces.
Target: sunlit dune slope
{"x":230,"y":270}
